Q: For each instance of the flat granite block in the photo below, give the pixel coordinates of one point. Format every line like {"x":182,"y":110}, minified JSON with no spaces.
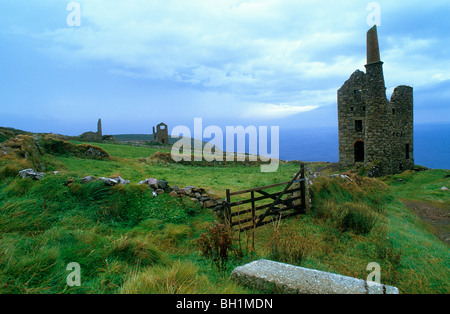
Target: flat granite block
{"x":289,"y":279}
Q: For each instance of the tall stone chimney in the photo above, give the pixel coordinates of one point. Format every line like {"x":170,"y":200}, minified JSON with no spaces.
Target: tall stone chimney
{"x":377,"y":133}
{"x":99,"y":128}
{"x":373,"y":49}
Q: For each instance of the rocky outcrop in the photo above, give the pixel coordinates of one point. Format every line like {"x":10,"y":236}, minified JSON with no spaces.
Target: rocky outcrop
{"x":24,"y":149}
{"x":31,"y":174}
{"x":107,"y":181}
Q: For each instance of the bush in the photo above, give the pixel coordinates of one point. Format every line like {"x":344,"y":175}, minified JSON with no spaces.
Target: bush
{"x":217,"y":243}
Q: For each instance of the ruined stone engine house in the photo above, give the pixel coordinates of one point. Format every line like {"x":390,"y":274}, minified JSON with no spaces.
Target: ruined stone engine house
{"x":161,"y":134}
{"x":374,"y":131}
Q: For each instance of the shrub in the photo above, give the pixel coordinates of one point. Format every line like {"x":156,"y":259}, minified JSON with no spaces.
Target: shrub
{"x":217,"y":243}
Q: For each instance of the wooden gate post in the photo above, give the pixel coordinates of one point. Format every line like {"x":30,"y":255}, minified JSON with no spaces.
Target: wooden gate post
{"x":303,"y":188}
{"x":228,"y":209}
{"x":252,"y":194}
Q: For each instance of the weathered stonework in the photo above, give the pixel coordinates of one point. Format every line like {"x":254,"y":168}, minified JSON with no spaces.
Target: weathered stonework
{"x":374,"y":131}
{"x":94,"y":136}
{"x":161,"y":135}
{"x":283,"y":278}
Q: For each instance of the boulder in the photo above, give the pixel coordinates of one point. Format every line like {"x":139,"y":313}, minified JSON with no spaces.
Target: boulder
{"x":87,"y":179}
{"x":121,"y":181}
{"x":108,"y":181}
{"x":289,"y":279}
{"x":30,"y":173}
{"x":39,"y":175}
{"x":209,"y":203}
{"x":162,"y":184}
{"x":152,"y":183}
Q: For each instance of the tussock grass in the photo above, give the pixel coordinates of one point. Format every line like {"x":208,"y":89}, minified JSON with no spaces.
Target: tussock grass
{"x":178,"y":278}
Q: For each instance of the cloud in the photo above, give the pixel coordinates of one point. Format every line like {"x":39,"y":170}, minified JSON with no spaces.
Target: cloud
{"x":271,"y":111}
{"x":240,"y":47}
{"x":286,"y":56}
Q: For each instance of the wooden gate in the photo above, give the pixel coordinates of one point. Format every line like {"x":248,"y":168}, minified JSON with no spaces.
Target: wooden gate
{"x":266,"y":206}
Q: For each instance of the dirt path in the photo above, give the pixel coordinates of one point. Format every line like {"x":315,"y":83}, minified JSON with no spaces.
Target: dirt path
{"x":434,"y":215}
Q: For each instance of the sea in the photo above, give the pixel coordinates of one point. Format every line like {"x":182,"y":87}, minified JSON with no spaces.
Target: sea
{"x":431,"y":145}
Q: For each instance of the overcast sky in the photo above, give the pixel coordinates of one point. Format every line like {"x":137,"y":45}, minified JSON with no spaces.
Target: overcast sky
{"x":264,"y":62}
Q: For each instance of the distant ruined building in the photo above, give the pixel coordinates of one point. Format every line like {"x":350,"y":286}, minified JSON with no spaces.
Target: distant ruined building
{"x":373,"y":131}
{"x":96,"y":136}
{"x":161,"y":135}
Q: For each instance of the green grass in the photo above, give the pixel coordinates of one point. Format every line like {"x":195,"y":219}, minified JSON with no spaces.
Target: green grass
{"x":127,"y":241}
{"x":423,"y":185}
{"x":123,"y":150}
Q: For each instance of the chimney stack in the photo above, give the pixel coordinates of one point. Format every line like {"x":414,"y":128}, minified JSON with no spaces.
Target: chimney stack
{"x":373,"y":49}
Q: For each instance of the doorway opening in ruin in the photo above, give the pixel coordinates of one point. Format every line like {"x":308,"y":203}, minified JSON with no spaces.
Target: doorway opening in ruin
{"x":359,"y":151}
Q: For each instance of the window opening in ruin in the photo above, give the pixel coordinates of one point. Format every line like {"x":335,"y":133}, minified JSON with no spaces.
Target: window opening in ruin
{"x":357,"y":95}
{"x":359,"y":151}
{"x":393,"y":111}
{"x":358,"y":125}
{"x":407,"y":151}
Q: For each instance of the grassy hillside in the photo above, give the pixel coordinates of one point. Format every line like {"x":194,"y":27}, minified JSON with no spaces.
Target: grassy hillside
{"x":127,"y":241}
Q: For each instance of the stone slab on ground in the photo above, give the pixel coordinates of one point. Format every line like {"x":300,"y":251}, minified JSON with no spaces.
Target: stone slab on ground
{"x":284,"y":278}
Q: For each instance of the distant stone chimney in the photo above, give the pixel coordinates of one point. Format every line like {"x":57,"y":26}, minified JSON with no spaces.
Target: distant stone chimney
{"x":99,"y":128}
